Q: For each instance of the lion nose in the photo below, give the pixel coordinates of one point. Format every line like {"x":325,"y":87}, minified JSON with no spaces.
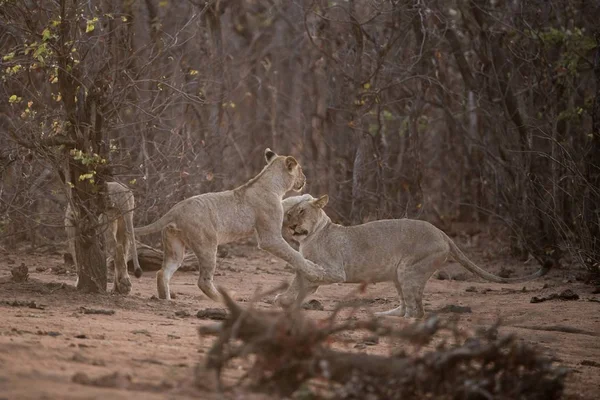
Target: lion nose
{"x":293,"y":227}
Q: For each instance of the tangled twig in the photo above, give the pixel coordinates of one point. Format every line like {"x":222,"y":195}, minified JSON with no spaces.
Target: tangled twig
{"x":290,"y":350}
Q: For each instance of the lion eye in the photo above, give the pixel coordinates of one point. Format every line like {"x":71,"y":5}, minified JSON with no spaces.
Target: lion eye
{"x":301,"y":212}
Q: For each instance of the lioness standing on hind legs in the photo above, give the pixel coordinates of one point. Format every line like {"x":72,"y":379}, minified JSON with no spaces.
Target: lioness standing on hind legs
{"x":118,"y":234}
{"x":203,"y":222}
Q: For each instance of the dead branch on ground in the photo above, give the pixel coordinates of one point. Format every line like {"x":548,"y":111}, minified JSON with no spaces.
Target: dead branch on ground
{"x":290,"y":351}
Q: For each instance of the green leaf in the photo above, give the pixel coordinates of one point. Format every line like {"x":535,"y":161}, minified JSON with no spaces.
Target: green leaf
{"x":83,"y":177}
{"x":14,"y":99}
{"x":46,"y":35}
{"x":91,"y":25}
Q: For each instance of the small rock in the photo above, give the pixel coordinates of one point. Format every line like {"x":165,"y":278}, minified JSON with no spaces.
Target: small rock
{"x":596,"y":290}
{"x":590,"y":363}
{"x":222,"y":252}
{"x":21,"y":303}
{"x":68,"y":259}
{"x":568,"y":295}
{"x":78,"y":357}
{"x":461,"y":276}
{"x":442,"y":276}
{"x":20,"y":273}
{"x":371,"y":340}
{"x":10,"y":261}
{"x":58,"y":270}
{"x":313,"y":305}
{"x":41,"y":269}
{"x":471,"y":289}
{"x":113,"y":380}
{"x":96,"y":311}
{"x":564,"y":295}
{"x":452,"y":308}
{"x":49,"y":333}
{"x":182,"y":313}
{"x":546,"y":286}
{"x":536,"y":299}
{"x":360,"y":346}
{"x":217,"y":314}
{"x":505,"y":272}
{"x":81,"y":336}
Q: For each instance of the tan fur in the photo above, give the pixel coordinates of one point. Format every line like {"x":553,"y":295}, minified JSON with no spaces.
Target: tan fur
{"x":203,"y":222}
{"x":404,"y":251}
{"x":118,"y":234}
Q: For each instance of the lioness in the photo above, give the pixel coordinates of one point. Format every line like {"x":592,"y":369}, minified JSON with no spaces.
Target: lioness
{"x":118,"y":234}
{"x":203,"y":222}
{"x":404,"y":251}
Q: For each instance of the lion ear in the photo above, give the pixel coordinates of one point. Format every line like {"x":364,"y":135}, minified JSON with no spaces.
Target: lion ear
{"x":290,"y":163}
{"x":321,"y":201}
{"x":269,"y":154}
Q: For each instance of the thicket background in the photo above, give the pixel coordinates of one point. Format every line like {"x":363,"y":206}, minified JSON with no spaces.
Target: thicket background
{"x":482,"y":111}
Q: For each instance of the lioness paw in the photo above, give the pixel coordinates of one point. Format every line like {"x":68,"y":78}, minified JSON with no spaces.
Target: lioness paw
{"x":284,"y":301}
{"x":314,"y":272}
{"x":122,"y":286}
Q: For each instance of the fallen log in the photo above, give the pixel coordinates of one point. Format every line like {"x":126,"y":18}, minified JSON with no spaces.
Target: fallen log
{"x":151,"y":259}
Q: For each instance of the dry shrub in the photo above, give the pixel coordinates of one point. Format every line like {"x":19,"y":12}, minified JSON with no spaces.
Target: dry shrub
{"x":290,"y":353}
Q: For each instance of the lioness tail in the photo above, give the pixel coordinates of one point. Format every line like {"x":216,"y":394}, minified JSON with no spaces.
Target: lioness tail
{"x":156,"y":226}
{"x":460,"y":257}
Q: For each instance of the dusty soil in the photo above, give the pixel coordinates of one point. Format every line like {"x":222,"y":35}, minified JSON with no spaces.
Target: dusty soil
{"x":52,"y":348}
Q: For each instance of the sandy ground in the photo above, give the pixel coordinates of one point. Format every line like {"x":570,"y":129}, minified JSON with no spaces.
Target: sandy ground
{"x":149,"y":348}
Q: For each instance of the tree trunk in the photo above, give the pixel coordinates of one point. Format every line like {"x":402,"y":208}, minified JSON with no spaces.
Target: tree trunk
{"x":592,"y":161}
{"x":89,"y":256}
{"x":85,"y":178}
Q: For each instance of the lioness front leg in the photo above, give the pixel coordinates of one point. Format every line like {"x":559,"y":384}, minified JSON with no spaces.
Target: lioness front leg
{"x":280,"y":248}
{"x":298,"y":290}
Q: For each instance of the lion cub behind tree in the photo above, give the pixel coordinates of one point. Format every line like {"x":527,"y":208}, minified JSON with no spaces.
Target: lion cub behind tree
{"x":118,"y":234}
{"x":404,"y":251}
{"x":203,"y":222}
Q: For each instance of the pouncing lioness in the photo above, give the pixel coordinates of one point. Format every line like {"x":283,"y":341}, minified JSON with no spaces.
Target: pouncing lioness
{"x":404,"y":251}
{"x":203,"y":222}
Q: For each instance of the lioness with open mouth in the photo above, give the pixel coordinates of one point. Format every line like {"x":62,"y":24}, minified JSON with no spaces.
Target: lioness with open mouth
{"x":404,"y":251}
{"x":203,"y":222}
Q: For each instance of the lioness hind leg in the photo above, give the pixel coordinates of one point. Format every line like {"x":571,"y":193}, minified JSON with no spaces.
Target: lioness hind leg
{"x":400,"y":310}
{"x":71,"y":232}
{"x":174,"y":250}
{"x":206,"y":253}
{"x":413,"y":279}
{"x":118,"y":232}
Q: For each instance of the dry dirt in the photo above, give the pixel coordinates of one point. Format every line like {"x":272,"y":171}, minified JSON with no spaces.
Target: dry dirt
{"x":149,"y":348}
